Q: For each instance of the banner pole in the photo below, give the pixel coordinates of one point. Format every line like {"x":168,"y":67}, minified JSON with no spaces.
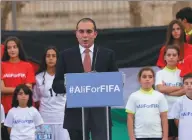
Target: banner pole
{"x":107,"y":119}
{"x":83,"y":123}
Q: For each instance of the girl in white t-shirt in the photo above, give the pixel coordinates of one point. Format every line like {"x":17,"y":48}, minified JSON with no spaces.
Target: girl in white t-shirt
{"x":169,"y":82}
{"x":22,"y":118}
{"x":147,"y":110}
{"x":52,"y":105}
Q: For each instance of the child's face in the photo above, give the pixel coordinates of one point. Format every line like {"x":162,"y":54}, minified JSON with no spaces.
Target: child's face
{"x":12,"y":49}
{"x":51,"y":58}
{"x":146,"y":80}
{"x":176,"y":31}
{"x":188,"y":85}
{"x":22,"y":98}
{"x":171,"y":57}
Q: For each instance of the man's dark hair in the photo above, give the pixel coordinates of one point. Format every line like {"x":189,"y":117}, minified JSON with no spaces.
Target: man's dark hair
{"x":27,"y":91}
{"x":85,"y":20}
{"x":185,"y":13}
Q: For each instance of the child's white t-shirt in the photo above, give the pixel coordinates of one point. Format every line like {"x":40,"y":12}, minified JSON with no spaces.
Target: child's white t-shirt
{"x":22,"y":122}
{"x":146,"y":107}
{"x":170,"y":78}
{"x":2,"y":114}
{"x":182,"y":110}
{"x":52,"y":105}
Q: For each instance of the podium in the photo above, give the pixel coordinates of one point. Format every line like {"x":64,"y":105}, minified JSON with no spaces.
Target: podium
{"x":103,"y":89}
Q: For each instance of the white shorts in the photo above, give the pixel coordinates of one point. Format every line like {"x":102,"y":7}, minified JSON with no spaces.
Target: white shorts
{"x":56,"y":130}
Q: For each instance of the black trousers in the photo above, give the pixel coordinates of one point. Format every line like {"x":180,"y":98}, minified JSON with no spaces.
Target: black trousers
{"x":4,"y":133}
{"x":92,"y":128}
{"x":96,"y":134}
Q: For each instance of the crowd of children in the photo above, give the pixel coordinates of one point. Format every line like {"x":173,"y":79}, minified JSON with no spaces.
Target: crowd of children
{"x":157,"y":113}
{"x":160,"y":109}
{"x":21,"y":87}
{"x":153,"y":113}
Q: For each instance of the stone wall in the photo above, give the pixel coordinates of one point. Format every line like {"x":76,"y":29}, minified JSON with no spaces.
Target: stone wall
{"x":56,"y":15}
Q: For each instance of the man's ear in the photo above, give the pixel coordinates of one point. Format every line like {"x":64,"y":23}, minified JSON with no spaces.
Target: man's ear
{"x":96,"y":33}
{"x":185,"y":20}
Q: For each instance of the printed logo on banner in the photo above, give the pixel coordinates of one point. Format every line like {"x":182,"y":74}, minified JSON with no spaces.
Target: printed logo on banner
{"x":94,"y":89}
{"x":43,"y":132}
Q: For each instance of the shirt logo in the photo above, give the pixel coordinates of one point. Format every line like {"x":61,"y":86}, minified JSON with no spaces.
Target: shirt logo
{"x":186,"y":114}
{"x":177,"y":84}
{"x":22,"y":121}
{"x":148,"y":106}
{"x":13,"y":75}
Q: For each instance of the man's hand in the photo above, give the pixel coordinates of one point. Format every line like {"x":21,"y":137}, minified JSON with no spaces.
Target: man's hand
{"x":29,"y":86}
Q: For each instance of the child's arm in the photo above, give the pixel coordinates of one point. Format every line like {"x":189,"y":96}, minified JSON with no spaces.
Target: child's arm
{"x":29,"y":85}
{"x":164,"y":122}
{"x":161,"y":86}
{"x":131,"y":109}
{"x":180,"y":92}
{"x":163,"y":108}
{"x":130,"y":124}
{"x":6,"y":90}
{"x":175,"y":111}
{"x":9,"y":120}
{"x":36,"y":94}
{"x":38,"y":120}
{"x":167,"y":89}
{"x":176,"y":122}
{"x":9,"y":130}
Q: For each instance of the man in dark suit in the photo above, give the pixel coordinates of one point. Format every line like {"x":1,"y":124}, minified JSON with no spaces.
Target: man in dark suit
{"x":85,"y":58}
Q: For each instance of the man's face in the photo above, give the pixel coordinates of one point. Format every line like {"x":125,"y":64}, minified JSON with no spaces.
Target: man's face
{"x":86,"y":34}
{"x":184,"y":21}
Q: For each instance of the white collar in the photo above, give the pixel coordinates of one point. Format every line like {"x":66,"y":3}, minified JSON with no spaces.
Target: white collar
{"x":82,"y":49}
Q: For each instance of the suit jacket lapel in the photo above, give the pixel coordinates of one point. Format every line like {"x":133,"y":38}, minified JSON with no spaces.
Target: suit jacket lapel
{"x":79,"y":59}
{"x":95,"y":52}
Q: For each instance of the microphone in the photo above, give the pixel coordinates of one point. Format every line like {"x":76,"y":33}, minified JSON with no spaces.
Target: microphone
{"x":94,"y":65}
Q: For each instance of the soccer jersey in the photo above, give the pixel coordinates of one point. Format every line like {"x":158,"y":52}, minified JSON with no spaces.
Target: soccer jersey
{"x":161,"y":62}
{"x":14,"y":74}
{"x":2,"y":114}
{"x":22,"y":122}
{"x":182,"y":110}
{"x":146,"y":107}
{"x":52,"y":105}
{"x":170,"y":78}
